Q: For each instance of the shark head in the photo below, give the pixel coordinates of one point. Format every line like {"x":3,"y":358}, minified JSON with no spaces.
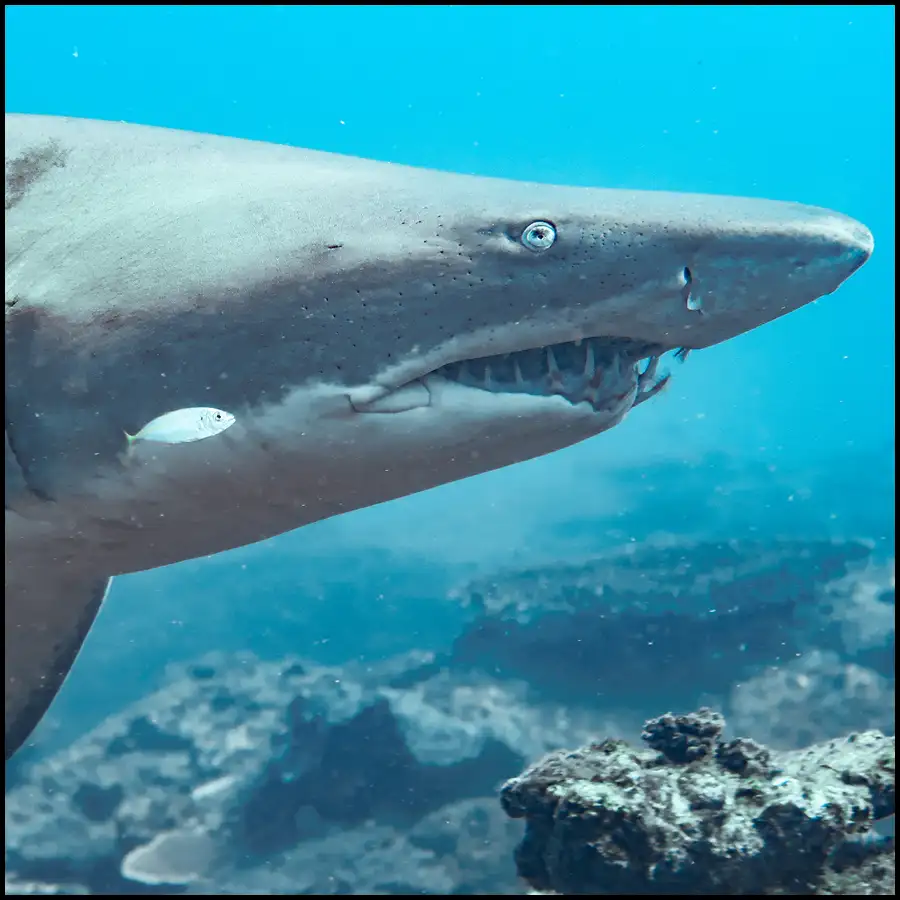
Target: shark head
{"x":375,"y":329}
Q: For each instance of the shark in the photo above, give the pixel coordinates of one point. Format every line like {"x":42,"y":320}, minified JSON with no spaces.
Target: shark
{"x":375,"y":330}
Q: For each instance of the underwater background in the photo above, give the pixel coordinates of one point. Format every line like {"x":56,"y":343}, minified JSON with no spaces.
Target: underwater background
{"x":765,"y":470}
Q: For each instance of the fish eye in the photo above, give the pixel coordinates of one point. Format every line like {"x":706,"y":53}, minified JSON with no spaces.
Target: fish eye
{"x":539,"y":236}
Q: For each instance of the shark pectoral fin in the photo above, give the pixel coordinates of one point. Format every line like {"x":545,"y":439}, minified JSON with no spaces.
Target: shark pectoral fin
{"x":49,"y":611}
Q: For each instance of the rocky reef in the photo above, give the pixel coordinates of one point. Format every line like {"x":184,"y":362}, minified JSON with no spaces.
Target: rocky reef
{"x":252,"y":776}
{"x":640,"y":606}
{"x":241,"y":773}
{"x":801,"y":632}
{"x":692,"y":813}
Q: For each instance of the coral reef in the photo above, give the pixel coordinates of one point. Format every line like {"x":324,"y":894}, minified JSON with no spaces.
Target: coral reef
{"x":250,"y":760}
{"x":695,"y":814}
{"x":811,"y":698}
{"x":42,"y":887}
{"x":856,"y":616}
{"x":245,"y":776}
{"x":620,"y":617}
{"x":462,"y":848}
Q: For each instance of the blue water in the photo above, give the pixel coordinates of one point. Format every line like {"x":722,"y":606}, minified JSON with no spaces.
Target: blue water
{"x":792,"y":103}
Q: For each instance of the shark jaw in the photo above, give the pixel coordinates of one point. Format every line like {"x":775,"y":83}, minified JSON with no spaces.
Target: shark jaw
{"x":608,"y":376}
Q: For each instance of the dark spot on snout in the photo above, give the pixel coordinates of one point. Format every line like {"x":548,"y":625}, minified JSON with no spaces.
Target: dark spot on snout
{"x":26,"y":170}
{"x":334,"y":246}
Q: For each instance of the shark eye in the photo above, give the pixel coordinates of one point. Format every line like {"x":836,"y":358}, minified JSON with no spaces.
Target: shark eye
{"x":539,"y":236}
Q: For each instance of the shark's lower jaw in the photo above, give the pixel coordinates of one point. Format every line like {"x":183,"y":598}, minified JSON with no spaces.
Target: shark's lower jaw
{"x":604,"y":372}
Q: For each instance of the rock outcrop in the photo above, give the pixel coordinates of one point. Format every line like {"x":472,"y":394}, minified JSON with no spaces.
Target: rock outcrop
{"x":692,"y":813}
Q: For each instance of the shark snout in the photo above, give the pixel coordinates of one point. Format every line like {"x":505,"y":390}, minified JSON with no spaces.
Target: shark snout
{"x":856,"y":242}
{"x":841,"y":241}
{"x":814,"y":253}
{"x":769,"y":265}
{"x":862,"y":239}
{"x":849,"y":235}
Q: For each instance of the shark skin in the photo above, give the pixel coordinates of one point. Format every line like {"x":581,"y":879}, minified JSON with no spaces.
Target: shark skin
{"x":375,"y":329}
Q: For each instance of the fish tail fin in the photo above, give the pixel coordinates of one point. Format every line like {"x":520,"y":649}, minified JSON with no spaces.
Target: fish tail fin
{"x":129,"y":448}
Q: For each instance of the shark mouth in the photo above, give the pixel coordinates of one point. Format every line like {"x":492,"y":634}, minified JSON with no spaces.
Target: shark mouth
{"x":612,"y":374}
{"x":607,"y":373}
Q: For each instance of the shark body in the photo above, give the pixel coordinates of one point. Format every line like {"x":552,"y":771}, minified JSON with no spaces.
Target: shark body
{"x":375,"y":329}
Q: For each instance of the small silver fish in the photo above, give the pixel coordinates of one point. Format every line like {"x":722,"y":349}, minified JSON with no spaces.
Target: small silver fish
{"x":181,"y":426}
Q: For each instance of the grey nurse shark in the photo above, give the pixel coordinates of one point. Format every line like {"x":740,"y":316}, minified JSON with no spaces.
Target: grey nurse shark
{"x":375,"y":329}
